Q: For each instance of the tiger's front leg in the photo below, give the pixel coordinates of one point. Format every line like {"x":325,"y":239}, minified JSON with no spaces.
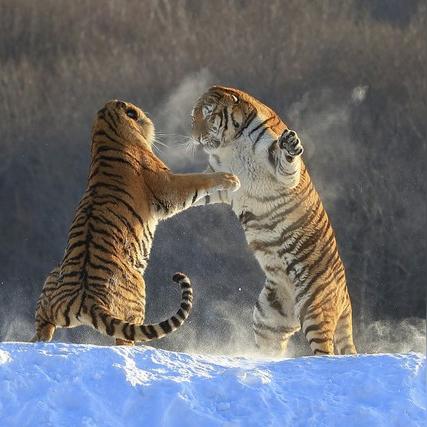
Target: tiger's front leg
{"x":291,"y":145}
{"x":186,"y":190}
{"x":220,"y":196}
{"x":285,"y":154}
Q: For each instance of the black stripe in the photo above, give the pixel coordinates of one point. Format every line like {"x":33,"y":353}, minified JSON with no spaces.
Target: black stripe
{"x":194,"y":197}
{"x":221,"y":115}
{"x":99,"y":217}
{"x":175,"y":321}
{"x":327,"y":266}
{"x":75,"y":245}
{"x":273,"y":213}
{"x":258,"y":138}
{"x":137,"y":241}
{"x":110,"y":187}
{"x":187,"y":294}
{"x":260,"y":125}
{"x":247,"y":122}
{"x":310,"y":242}
{"x":185,"y":306}
{"x":94,"y":316}
{"x":111,"y":328}
{"x":70,"y":274}
{"x":149,"y":331}
{"x":67,"y":310}
{"x":110,"y":116}
{"x":102,"y":149}
{"x":125,"y":332}
{"x":128,"y":206}
{"x":115,"y":176}
{"x":103,"y":134}
{"x":315,"y":327}
{"x":100,"y":267}
{"x":271,"y":154}
{"x":311,"y":299}
{"x":109,"y":126}
{"x":318,"y":340}
{"x":184,"y":283}
{"x":166,"y":327}
{"x":259,"y":308}
{"x":288,"y":231}
{"x":182,"y":314}
{"x":118,"y":160}
{"x":305,"y":219}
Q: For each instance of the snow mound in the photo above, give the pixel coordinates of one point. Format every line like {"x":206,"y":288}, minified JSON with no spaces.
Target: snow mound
{"x":81,"y":385}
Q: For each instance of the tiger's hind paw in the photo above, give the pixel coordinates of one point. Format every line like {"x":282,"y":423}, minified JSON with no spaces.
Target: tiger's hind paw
{"x":290,"y":143}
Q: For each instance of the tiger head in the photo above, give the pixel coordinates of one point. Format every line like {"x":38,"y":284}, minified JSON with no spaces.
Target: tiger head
{"x":224,"y":116}
{"x":126,"y":122}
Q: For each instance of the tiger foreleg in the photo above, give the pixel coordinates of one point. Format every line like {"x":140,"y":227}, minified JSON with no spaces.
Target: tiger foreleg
{"x":220,"y":196}
{"x":285,"y":156}
{"x":291,"y":145}
{"x":188,"y":189}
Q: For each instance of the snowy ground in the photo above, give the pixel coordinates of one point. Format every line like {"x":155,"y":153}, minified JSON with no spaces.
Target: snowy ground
{"x":81,"y":385}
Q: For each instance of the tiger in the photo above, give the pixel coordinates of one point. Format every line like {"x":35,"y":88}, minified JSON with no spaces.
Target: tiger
{"x":100,"y":281}
{"x":284,"y":221}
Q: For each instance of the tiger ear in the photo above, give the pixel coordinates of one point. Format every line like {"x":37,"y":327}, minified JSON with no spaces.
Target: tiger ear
{"x":235,"y":99}
{"x":207,"y":110}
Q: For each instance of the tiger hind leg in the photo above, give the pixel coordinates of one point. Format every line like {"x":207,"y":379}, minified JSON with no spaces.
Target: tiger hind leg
{"x":319,"y":334}
{"x":343,"y":338}
{"x":318,"y":324}
{"x":44,"y":331}
{"x":45,"y":326}
{"x":274,"y":321}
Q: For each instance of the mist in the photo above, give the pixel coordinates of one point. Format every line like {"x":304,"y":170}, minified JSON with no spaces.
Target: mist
{"x":349,"y":79}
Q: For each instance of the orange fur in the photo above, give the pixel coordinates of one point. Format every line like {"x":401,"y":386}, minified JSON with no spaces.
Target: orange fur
{"x":100,"y":279}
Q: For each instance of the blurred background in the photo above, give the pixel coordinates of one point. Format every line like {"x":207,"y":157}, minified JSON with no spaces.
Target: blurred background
{"x":349,"y":76}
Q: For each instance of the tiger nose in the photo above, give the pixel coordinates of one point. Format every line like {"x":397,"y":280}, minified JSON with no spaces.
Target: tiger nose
{"x":120,"y":104}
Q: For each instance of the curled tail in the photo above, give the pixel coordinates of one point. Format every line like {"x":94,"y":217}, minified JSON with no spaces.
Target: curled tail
{"x":109,"y":325}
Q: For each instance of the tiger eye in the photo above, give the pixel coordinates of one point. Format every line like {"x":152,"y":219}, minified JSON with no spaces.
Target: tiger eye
{"x":133,"y":114}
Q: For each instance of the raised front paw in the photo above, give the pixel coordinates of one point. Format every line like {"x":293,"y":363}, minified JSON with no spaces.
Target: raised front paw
{"x":290,"y":142}
{"x":227,"y":181}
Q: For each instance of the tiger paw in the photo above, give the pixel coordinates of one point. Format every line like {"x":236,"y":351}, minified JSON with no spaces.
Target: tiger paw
{"x":290,"y":143}
{"x":227,"y":181}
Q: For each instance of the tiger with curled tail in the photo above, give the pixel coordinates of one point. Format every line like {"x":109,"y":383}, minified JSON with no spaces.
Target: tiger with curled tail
{"x":100,"y":279}
{"x":284,"y":222}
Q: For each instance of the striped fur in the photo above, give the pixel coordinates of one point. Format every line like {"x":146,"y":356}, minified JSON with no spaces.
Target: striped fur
{"x":284,"y":221}
{"x":100,"y":280}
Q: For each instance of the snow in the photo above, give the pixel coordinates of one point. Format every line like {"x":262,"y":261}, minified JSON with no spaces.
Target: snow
{"x":81,"y":385}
